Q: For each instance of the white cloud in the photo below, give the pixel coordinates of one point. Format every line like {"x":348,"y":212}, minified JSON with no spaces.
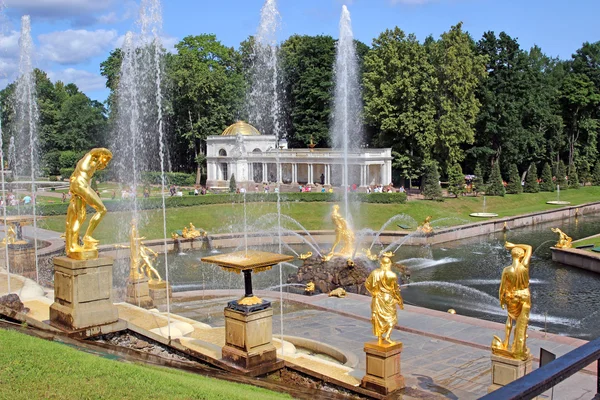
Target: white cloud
{"x":58,"y":9}
{"x":85,"y":80}
{"x":9,"y":44}
{"x":168,"y":42}
{"x":75,"y":46}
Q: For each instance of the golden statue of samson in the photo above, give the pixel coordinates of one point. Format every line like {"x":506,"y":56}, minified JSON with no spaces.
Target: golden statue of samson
{"x":343,"y":235}
{"x":83,"y":195}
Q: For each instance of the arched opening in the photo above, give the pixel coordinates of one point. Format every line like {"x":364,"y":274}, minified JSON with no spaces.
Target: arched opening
{"x":222,"y":153}
{"x":257,"y":151}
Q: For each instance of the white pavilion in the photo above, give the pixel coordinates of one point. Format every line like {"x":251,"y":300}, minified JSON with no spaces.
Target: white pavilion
{"x":253,"y":158}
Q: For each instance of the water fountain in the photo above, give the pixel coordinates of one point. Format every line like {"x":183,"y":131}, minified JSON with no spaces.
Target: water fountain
{"x":346,"y":131}
{"x":483,"y":214}
{"x":558,"y":201}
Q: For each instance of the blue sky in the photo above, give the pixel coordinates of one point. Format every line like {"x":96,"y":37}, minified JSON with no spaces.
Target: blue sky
{"x":72,"y":37}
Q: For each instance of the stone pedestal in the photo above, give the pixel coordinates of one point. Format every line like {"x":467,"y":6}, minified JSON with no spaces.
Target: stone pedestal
{"x":383,"y":368}
{"x":159,"y":291}
{"x":248,"y":342}
{"x":138,"y":293}
{"x":82,"y":293}
{"x":21,"y":258}
{"x":505,"y":370}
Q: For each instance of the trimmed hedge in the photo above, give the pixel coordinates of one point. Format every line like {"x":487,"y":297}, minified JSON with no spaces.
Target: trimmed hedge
{"x":189,"y":201}
{"x":171,"y":178}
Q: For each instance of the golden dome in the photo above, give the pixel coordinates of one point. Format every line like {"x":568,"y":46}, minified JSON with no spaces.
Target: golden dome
{"x":241,"y":128}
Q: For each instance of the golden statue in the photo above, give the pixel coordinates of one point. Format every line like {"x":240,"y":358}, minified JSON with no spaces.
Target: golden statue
{"x":83,"y":195}
{"x":189,"y":233}
{"x":370,"y":255}
{"x":141,"y":257}
{"x":339,"y":292}
{"x":382,"y":283}
{"x":304,"y":256}
{"x":425,"y":227}
{"x":343,"y":234}
{"x":11,"y":237}
{"x":515,"y":297}
{"x":310,"y":288}
{"x":564,"y":241}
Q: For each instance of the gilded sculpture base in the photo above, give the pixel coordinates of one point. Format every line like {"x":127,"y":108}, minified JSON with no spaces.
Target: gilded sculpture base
{"x":82,"y":294}
{"x":138,"y":293}
{"x":383,"y":367}
{"x":248,"y":344}
{"x":505,"y":370}
{"x":159,"y":291}
{"x":83,"y":254}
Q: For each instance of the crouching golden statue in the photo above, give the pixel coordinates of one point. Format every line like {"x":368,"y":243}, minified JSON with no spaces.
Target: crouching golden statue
{"x":515,"y":297}
{"x":564,"y":240}
{"x":83,"y":195}
{"x":382,"y":283}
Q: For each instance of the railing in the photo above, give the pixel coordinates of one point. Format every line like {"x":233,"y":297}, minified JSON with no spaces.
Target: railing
{"x":551,"y":374}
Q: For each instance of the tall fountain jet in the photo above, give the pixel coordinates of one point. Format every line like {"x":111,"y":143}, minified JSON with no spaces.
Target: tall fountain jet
{"x":346,"y":131}
{"x":27,"y":117}
{"x":263,"y":97}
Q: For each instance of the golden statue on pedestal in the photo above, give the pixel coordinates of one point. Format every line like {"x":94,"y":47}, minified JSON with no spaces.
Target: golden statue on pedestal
{"x":382,"y":283}
{"x":309,"y":288}
{"x":83,"y":195}
{"x":11,"y":237}
{"x":564,"y":241}
{"x":306,"y":255}
{"x":141,"y":258}
{"x":189,"y":233}
{"x":343,"y":234}
{"x":425,"y":227}
{"x":515,"y":297}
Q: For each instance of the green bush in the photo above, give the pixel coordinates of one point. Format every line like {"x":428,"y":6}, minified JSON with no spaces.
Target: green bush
{"x":171,"y":178}
{"x":596,"y":175}
{"x":232,"y":184}
{"x":66,"y":172}
{"x":583,"y":170}
{"x":431,"y":182}
{"x":531,"y":183}
{"x":152,"y":203}
{"x":494,"y":186}
{"x":456,"y":180}
{"x":547,"y":185}
{"x":478,"y":185}
{"x":514,"y":181}
{"x":573,"y":178}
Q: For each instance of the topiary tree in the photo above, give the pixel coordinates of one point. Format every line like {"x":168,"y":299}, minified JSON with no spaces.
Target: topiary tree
{"x":573,"y":178}
{"x":494,"y":186}
{"x":456,"y":180}
{"x":561,"y":173}
{"x":514,"y":181}
{"x":583,"y":170}
{"x":547,"y":185}
{"x":596,"y":175}
{"x":478,"y":185}
{"x":531,"y":180}
{"x":232,"y":184}
{"x":431,"y":182}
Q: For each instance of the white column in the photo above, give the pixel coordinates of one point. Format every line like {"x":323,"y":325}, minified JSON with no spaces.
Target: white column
{"x":362,"y":176}
{"x":279,"y":172}
{"x":367,"y":180}
{"x":388,"y":171}
{"x":382,"y":174}
{"x":264,"y":172}
{"x":327,"y":173}
{"x":295,"y":173}
{"x":310,"y":174}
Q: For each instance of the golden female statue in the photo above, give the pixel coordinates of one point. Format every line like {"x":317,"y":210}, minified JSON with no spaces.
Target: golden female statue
{"x":343,"y":234}
{"x":564,"y":240}
{"x":382,"y":283}
{"x":83,"y":195}
{"x":425,"y":227}
{"x":140,"y":262}
{"x":515,"y":297}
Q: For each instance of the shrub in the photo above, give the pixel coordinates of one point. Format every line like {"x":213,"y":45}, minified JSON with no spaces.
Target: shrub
{"x":66,"y":172}
{"x":232,"y":184}
{"x":547,"y":185}
{"x":596,"y":175}
{"x":583,"y":170}
{"x":456,"y":180}
{"x":573,"y":178}
{"x":171,"y":178}
{"x":561,"y":173}
{"x":431,"y":182}
{"x":531,"y":182}
{"x":494,"y":186}
{"x":478,"y":185}
{"x":514,"y":181}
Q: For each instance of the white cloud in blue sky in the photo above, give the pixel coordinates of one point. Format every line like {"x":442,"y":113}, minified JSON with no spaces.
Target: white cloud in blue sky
{"x":76,"y":46}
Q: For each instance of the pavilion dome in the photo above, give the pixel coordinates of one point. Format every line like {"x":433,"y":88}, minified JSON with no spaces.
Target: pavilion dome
{"x":240,"y":128}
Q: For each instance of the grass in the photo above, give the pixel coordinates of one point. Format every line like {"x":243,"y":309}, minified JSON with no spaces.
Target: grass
{"x":222,"y":218}
{"x":32,"y":368}
{"x":595,"y":240}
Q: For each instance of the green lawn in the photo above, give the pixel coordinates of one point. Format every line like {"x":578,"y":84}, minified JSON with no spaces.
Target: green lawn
{"x":32,"y":368}
{"x":592,"y":240}
{"x":223,"y":218}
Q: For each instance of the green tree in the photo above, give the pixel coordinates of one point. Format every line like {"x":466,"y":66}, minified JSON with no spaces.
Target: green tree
{"x":514,"y":181}
{"x":431,"y":182}
{"x":561,"y":180}
{"x":459,"y":71}
{"x":531,"y":180}
{"x":456,"y":180}
{"x":478,"y":185}
{"x":547,"y":185}
{"x":596,"y":174}
{"x":573,"y":181}
{"x":399,"y":86}
{"x":208,"y":92}
{"x":232,"y":184}
{"x":583,"y":170}
{"x":494,"y":187}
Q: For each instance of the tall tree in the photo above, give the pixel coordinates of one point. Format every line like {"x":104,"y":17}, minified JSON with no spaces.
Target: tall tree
{"x":547,"y":185}
{"x":514,"y":181}
{"x":531,"y":180}
{"x":431,"y":182}
{"x":456,"y":180}
{"x":495,"y":187}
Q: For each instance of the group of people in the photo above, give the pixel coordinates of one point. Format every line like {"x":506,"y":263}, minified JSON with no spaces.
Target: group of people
{"x":12,"y":200}
{"x":383,"y":189}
